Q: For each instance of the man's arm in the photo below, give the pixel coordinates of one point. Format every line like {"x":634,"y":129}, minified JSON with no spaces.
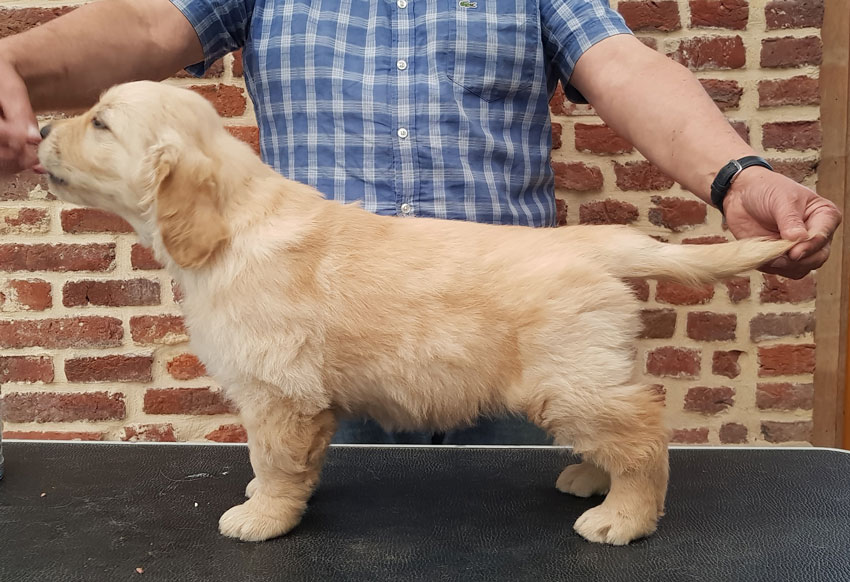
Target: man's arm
{"x":663,"y":110}
{"x":67,"y":62}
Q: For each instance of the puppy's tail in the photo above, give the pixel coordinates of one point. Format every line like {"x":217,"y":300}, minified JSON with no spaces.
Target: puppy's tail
{"x":629,"y":253}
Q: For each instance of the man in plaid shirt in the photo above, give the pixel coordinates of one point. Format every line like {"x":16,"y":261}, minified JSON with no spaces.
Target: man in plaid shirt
{"x":433,"y":108}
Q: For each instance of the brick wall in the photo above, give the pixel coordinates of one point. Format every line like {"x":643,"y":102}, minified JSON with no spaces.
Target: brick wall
{"x":93,"y":346}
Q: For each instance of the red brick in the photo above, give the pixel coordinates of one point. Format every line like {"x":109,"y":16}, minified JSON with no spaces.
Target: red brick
{"x":116,"y":368}
{"x":661,"y":15}
{"x":677,"y":213}
{"x":577,"y":176}
{"x":794,"y":14}
{"x":237,"y":63}
{"x":800,"y":90}
{"x":53,"y":435}
{"x":785,"y":396}
{"x":19,"y":186}
{"x":250,"y":135}
{"x":177,"y":292}
{"x":738,"y":288}
{"x":678,"y":294}
{"x":732,"y":14}
{"x":185,"y":367}
{"x":557,"y":132}
{"x":558,"y":104}
{"x":600,"y":139}
{"x":26,"y":369}
{"x":786,"y":360}
{"x":658,"y":323}
{"x":791,"y":52}
{"x":111,"y":293}
{"x":155,"y":433}
{"x":797,"y":170}
{"x":57,"y":257}
{"x":228,"y":433}
{"x":25,"y":295}
{"x":711,"y":327}
{"x":742,"y":129}
{"x":649,"y":41}
{"x":607,"y":212}
{"x":228,"y":100}
{"x":641,"y":176}
{"x":709,"y":400}
{"x":88,"y":220}
{"x":141,"y":258}
{"x":771,"y":326}
{"x":214,"y":71}
{"x":673,"y":362}
{"x":62,"y":407}
{"x":710,"y":239}
{"x":707,"y":53}
{"x":725,"y":94}
{"x":689,"y":436}
{"x":186,"y":401}
{"x":24,"y":220}
{"x":158,"y":329}
{"x":792,"y":135}
{"x":639,"y":286}
{"x":733,"y":433}
{"x":776,"y":289}
{"x":560,"y":212}
{"x":72,"y":332}
{"x":15,"y":20}
{"x":725,"y":363}
{"x":783,"y":432}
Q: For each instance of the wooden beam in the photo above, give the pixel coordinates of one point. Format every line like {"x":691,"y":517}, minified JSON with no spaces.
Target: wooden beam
{"x":833,"y":299}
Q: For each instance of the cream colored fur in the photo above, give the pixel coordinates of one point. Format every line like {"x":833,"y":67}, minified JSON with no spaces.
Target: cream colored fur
{"x":307,"y":310}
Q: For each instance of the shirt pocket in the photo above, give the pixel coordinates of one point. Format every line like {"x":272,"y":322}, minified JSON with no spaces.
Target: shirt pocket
{"x":492,"y":46}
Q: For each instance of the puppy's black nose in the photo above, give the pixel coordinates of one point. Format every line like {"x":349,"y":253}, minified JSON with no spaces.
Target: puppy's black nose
{"x":45,"y":131}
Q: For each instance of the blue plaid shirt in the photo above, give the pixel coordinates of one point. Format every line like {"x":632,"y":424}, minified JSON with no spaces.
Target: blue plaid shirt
{"x":414,"y":107}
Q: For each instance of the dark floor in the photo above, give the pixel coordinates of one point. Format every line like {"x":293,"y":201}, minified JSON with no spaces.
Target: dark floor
{"x":92,"y":512}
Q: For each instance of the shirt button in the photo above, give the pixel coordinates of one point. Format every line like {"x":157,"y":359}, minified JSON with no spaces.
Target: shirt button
{"x":401,"y":64}
{"x":406,"y":208}
{"x":401,"y":3}
{"x":402,"y":133}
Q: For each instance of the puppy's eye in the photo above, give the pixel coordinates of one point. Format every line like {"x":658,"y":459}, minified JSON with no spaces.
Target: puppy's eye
{"x":98,"y":124}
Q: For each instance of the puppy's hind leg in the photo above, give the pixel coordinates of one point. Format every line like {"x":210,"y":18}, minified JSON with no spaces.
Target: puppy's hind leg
{"x":287,"y":443}
{"x":621,"y":436}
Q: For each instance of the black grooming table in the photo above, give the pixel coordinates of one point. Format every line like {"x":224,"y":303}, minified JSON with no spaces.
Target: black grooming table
{"x":97,"y":512}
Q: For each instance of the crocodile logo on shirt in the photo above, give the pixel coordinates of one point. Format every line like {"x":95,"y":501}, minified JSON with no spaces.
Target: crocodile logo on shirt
{"x":467,"y":4}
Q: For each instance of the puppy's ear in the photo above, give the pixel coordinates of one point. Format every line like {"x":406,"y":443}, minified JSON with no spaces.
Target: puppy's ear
{"x":183,"y":181}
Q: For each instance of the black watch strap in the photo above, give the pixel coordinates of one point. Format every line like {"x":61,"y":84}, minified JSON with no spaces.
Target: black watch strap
{"x":727,"y":175}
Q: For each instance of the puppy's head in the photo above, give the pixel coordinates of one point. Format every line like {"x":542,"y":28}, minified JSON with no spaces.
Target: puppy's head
{"x":147,"y":152}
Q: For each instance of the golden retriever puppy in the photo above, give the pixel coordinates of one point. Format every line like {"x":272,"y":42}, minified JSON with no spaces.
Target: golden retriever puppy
{"x":306,"y":310}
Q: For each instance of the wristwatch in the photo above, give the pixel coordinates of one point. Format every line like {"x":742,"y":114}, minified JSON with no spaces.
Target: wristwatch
{"x":728,"y":173}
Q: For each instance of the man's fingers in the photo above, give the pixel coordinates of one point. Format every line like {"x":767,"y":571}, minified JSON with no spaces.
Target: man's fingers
{"x":18,"y":127}
{"x":797,"y":269}
{"x":821,"y":225}
{"x":807,"y":248}
{"x":33,"y":135}
{"x":15,"y":102}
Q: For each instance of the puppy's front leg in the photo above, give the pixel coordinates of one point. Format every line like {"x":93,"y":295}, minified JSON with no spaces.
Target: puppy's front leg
{"x":287,"y":443}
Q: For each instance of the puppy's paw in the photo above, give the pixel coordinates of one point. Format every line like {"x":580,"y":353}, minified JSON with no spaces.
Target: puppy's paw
{"x":583,"y":480}
{"x":252,"y":487}
{"x":257,"y":520}
{"x":606,"y":524}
